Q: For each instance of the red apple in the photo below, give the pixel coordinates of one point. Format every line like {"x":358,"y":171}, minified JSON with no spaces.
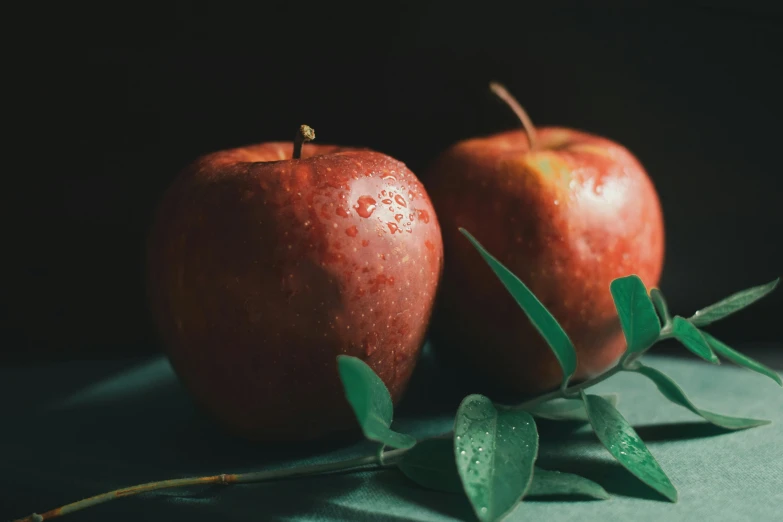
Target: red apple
{"x":264,"y":267}
{"x":564,"y":210}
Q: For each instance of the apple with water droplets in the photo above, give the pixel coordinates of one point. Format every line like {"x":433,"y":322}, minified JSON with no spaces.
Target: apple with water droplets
{"x":564,"y":210}
{"x":266,"y":262}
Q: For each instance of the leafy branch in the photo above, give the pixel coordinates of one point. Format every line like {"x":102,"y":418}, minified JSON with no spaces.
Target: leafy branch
{"x":491,"y":455}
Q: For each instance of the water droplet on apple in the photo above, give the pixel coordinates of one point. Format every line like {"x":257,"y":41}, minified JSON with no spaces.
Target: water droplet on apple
{"x":424,"y":216}
{"x":393,"y":227}
{"x":352,"y":231}
{"x":389,"y":177}
{"x":398,"y":217}
{"x":386,"y":201}
{"x":400,"y":200}
{"x":342,"y":212}
{"x":365,"y":206}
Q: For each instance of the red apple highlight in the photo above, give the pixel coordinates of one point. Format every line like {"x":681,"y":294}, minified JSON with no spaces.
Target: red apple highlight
{"x":564,"y":210}
{"x":264,"y":266}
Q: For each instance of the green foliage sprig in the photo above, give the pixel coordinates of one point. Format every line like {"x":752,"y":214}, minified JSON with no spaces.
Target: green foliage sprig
{"x":490,"y":457}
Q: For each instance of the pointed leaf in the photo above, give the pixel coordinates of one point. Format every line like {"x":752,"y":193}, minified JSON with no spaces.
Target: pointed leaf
{"x":624,"y":444}
{"x":674,"y":393}
{"x":731,"y":304}
{"x":660,"y":305}
{"x":740,"y":359}
{"x":566,"y":409}
{"x":539,"y":316}
{"x":557,"y":484}
{"x":371,"y":402}
{"x":431,"y":464}
{"x":640,"y":323}
{"x":495,"y":452}
{"x":692,"y":339}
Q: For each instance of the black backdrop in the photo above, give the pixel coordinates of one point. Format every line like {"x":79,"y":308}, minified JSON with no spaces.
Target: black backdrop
{"x":117,"y":101}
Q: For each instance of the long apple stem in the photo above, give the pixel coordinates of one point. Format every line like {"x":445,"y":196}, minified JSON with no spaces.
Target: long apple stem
{"x":304,"y":134}
{"x":388,"y":459}
{"x":501,"y":92}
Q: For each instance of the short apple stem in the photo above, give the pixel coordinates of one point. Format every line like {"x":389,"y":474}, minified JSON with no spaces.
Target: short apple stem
{"x":303,"y":135}
{"x":502,"y":93}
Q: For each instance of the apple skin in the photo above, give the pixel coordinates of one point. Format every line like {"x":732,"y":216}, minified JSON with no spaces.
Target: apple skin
{"x":262,"y":269}
{"x":567,"y":219}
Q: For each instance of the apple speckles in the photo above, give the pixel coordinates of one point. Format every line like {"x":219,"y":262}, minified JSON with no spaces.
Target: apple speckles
{"x":423,"y":215}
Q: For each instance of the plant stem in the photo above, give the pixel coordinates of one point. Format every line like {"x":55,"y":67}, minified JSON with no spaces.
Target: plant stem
{"x":388,"y":459}
{"x":530,"y":129}
{"x":304,"y":134}
{"x":569,"y":392}
{"x":573,"y":391}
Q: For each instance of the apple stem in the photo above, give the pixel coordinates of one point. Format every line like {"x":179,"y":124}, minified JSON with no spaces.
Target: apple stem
{"x":304,"y":134}
{"x":388,"y":459}
{"x":501,"y":92}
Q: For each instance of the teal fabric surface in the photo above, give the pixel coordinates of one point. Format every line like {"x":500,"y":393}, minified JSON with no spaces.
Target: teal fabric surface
{"x":74,"y":430}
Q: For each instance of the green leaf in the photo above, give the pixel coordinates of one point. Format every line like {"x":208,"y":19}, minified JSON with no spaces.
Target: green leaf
{"x":640,"y":323}
{"x":740,"y":359}
{"x":674,"y":393}
{"x":495,"y":452}
{"x":431,"y":464}
{"x":692,"y":339}
{"x":539,"y":316}
{"x":566,"y":409}
{"x":371,"y":402}
{"x":557,"y":484}
{"x":660,"y":304}
{"x":731,"y":304}
{"x":626,"y":446}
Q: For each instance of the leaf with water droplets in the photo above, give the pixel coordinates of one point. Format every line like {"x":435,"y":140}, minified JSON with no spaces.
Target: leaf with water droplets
{"x":625,"y":445}
{"x":638,"y":319}
{"x":431,"y":464}
{"x":731,"y":304}
{"x":692,"y":339}
{"x":741,"y":359}
{"x":566,"y":409}
{"x":539,"y":316}
{"x":371,"y":402}
{"x":674,"y":393}
{"x":557,"y":484}
{"x":495,"y":452}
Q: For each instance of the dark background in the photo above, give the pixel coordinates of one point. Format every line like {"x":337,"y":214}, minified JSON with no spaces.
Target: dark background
{"x":115,"y":102}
